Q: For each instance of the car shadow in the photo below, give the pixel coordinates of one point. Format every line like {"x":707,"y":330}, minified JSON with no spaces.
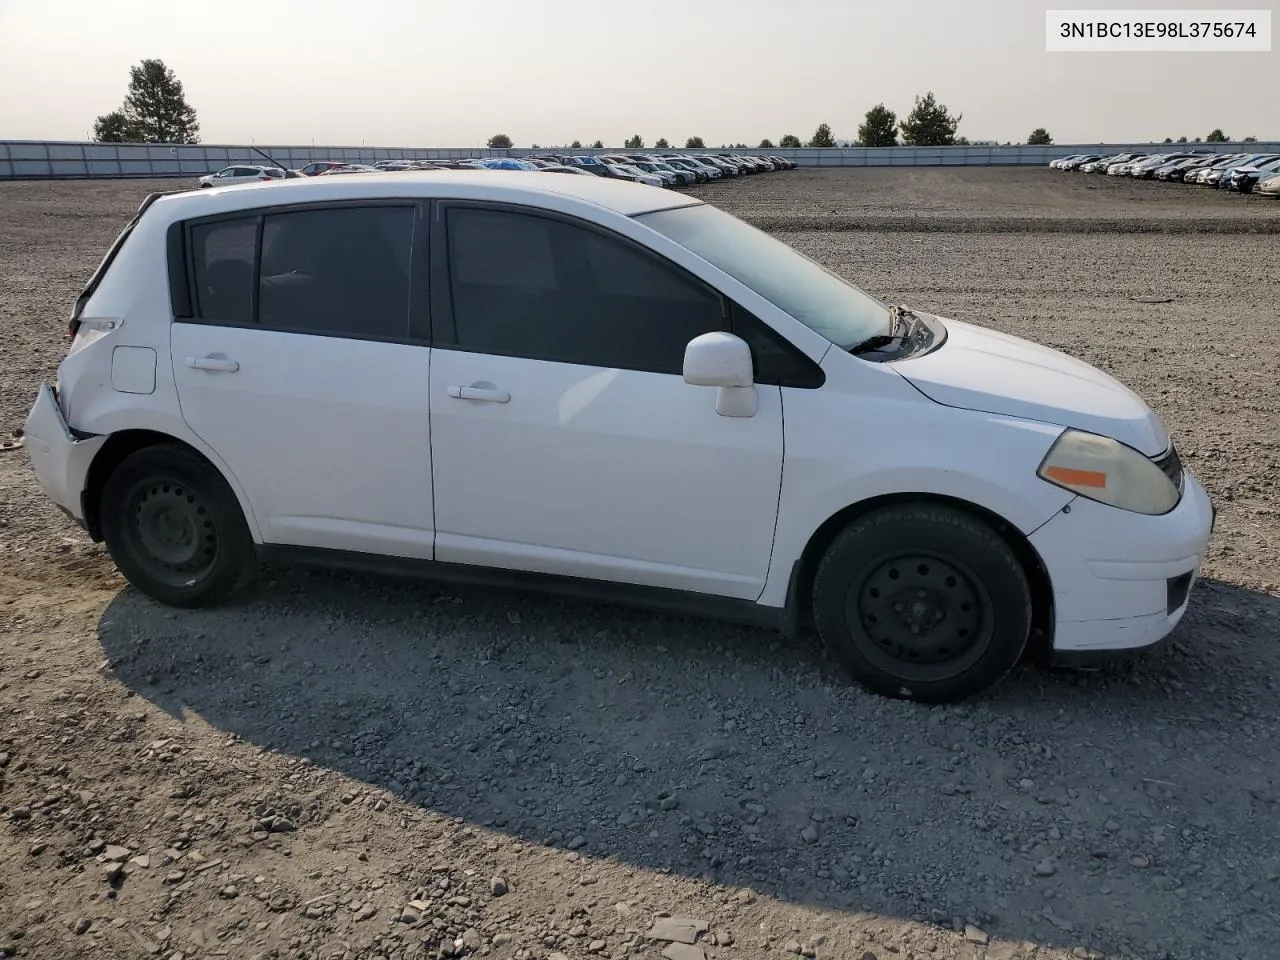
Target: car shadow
{"x":731,"y":754}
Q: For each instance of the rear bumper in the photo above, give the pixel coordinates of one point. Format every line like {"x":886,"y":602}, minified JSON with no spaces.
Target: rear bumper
{"x":59,"y":458}
{"x":1122,"y":581}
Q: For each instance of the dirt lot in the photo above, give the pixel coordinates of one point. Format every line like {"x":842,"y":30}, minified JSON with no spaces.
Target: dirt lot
{"x":341,"y":767}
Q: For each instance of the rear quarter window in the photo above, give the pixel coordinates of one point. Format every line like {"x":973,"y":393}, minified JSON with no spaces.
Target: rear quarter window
{"x":223,"y":269}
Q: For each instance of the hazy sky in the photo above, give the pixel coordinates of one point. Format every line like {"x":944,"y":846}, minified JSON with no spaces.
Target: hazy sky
{"x":453,"y":72}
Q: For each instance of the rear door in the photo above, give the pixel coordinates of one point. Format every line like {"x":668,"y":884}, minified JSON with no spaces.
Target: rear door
{"x":304,"y":363}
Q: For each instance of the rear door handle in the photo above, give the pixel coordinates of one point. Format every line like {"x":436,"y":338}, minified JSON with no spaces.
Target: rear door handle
{"x":213,"y":363}
{"x":479,"y":393}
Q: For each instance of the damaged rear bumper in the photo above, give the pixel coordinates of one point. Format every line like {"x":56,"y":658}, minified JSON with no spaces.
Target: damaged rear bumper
{"x":59,"y":457}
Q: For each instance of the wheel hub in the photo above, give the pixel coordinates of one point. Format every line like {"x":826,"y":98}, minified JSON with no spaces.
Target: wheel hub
{"x":174,"y":527}
{"x":919,"y":610}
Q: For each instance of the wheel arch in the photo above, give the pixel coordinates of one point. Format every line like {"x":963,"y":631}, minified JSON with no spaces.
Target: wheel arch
{"x":799,"y":594}
{"x":121,"y":444}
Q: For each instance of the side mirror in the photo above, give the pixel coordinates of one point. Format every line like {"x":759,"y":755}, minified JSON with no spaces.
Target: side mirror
{"x":723,"y":360}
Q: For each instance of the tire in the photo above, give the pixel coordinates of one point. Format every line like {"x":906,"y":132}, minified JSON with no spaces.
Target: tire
{"x":174,"y":528}
{"x":959,"y":638}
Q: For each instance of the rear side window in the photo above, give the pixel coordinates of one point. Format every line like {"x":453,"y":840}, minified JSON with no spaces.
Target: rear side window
{"x":335,"y":271}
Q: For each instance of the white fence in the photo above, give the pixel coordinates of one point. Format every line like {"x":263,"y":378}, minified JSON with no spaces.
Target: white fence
{"x":74,"y":160}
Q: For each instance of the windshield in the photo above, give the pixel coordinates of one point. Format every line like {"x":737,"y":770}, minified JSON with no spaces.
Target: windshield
{"x":815,"y":296}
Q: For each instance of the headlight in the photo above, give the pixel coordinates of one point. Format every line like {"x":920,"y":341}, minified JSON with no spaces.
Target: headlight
{"x":1107,"y":471}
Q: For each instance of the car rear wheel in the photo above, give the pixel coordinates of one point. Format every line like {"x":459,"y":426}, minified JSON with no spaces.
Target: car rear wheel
{"x":922,"y":602}
{"x":174,"y":528}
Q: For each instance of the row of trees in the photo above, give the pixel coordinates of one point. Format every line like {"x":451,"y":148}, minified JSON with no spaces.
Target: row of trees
{"x":929,"y":124}
{"x":1215,"y":136}
{"x":500,"y":141}
{"x":156,"y":111}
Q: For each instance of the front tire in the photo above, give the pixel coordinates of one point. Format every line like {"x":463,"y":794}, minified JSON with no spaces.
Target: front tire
{"x":922,"y":603}
{"x":174,"y":528}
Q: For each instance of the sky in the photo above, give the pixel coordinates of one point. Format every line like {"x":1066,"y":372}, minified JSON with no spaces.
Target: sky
{"x":451,"y":73}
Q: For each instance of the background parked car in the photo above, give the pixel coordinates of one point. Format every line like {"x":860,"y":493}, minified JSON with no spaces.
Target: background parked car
{"x":1242,"y":179}
{"x":241,"y":173}
{"x":350,"y":168}
{"x":563,"y":168}
{"x":1268,"y":186}
{"x":700,"y":173}
{"x":319,"y":166}
{"x":1223,"y":179}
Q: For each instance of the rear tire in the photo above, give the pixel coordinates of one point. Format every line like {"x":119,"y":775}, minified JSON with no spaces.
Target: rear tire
{"x":175,"y":529}
{"x":922,"y":603}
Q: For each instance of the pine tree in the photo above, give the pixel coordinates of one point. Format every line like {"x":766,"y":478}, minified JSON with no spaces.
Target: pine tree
{"x":822,"y":137}
{"x":155,"y":110}
{"x":929,"y":124}
{"x":880,"y":128}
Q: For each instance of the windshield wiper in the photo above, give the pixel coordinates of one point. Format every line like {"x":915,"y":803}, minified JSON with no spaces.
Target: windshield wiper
{"x":898,"y":319}
{"x":902,"y":315}
{"x":871,"y":344}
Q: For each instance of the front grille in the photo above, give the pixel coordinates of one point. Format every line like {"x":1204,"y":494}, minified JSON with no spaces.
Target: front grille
{"x":1171,"y":465}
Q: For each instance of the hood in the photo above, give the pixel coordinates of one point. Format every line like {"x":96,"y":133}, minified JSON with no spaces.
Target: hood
{"x":983,"y":370}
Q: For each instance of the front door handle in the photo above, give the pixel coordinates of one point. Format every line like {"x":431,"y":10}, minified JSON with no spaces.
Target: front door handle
{"x":479,"y":393}
{"x":221,"y":364}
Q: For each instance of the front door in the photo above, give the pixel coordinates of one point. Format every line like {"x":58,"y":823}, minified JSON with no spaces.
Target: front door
{"x":564,"y":438}
{"x":310,"y":383}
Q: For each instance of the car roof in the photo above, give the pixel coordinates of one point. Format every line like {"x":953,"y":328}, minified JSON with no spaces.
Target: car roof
{"x":513,"y":186}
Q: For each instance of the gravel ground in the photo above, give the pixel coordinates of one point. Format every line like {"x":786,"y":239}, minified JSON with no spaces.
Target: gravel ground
{"x":347,"y":767}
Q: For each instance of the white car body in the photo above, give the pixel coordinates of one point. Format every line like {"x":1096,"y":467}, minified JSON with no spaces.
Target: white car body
{"x":712,"y":172}
{"x":239,"y":173}
{"x":628,"y":481}
{"x":646,"y":178}
{"x":1268,"y":186}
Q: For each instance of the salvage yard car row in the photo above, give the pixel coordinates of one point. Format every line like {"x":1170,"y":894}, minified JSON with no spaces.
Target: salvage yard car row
{"x":651,"y":169}
{"x":1240,"y":172}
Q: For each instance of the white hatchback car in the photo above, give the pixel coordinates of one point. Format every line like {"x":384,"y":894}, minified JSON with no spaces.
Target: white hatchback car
{"x":241,"y":173}
{"x":612,"y":390}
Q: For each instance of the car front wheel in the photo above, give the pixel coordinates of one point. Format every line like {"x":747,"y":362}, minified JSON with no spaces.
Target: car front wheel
{"x":922,"y":602}
{"x":174,"y":528}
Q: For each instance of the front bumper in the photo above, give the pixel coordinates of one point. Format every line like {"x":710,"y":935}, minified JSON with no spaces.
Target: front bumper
{"x":60,"y":459}
{"x":1121,"y":581}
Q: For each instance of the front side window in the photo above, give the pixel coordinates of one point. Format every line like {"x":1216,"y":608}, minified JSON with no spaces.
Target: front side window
{"x":536,"y":287}
{"x":343,"y":271}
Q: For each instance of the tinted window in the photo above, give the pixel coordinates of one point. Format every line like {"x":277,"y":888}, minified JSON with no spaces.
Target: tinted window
{"x":337,"y":271}
{"x":530,"y":286}
{"x":774,"y":360}
{"x":223,"y":253}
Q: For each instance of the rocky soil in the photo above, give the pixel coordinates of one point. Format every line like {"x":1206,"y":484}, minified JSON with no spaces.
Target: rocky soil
{"x":342,"y":767}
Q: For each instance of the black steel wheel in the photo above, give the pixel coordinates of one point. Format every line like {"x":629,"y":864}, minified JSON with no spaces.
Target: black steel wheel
{"x":174,"y":527}
{"x":170,"y":529}
{"x":928,"y":616}
{"x":923,"y":602}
